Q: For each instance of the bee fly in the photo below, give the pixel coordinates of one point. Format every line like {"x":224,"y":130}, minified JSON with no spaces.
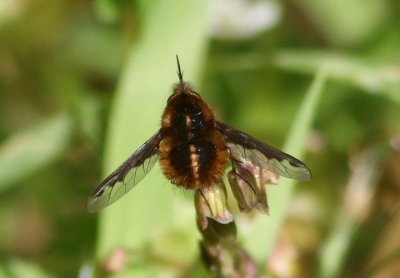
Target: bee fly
{"x":193,"y":149}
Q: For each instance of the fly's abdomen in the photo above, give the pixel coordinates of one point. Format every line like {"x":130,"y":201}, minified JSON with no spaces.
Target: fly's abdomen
{"x":195,"y":164}
{"x":192,"y":161}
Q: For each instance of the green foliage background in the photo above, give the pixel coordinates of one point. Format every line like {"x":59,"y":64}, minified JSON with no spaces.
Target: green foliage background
{"x":83,"y":84}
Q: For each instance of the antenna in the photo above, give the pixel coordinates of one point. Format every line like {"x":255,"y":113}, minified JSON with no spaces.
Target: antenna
{"x":179,"y":72}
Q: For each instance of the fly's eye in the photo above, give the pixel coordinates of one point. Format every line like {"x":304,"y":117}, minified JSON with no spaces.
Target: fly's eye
{"x":170,"y":97}
{"x":196,"y":94}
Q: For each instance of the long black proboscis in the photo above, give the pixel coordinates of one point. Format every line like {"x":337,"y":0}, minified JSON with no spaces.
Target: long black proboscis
{"x":180,"y":73}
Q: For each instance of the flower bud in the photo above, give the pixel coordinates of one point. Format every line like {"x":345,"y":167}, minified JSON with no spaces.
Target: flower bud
{"x":247,"y":181}
{"x":211,"y":202}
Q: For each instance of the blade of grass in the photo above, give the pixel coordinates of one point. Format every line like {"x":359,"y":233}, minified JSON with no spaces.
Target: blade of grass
{"x":391,"y":258}
{"x":260,"y":240}
{"x":170,"y":27}
{"x":33,"y":149}
{"x":18,"y":268}
{"x":374,"y":78}
{"x":347,"y":23}
{"x":357,"y":203}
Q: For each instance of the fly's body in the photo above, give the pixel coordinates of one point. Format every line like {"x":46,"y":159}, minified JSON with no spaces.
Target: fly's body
{"x":194,"y":150}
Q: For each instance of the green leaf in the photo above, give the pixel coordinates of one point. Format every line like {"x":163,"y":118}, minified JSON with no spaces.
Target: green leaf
{"x":382,"y":78}
{"x":260,"y":239}
{"x":345,"y":23}
{"x":17,"y":268}
{"x":357,"y":201}
{"x":31,"y":150}
{"x":143,"y":90}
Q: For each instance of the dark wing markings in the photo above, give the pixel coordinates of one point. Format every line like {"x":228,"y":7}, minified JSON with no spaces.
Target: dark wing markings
{"x":126,"y":176}
{"x":243,"y":147}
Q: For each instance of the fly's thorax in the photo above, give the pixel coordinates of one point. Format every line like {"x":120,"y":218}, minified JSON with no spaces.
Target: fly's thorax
{"x":187,"y":117}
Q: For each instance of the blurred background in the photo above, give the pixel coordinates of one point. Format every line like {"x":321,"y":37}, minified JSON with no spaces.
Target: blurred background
{"x":83,"y":84}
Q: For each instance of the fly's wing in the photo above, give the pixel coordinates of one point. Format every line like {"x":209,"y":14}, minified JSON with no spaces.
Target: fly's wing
{"x":123,"y":179}
{"x":244,"y":148}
